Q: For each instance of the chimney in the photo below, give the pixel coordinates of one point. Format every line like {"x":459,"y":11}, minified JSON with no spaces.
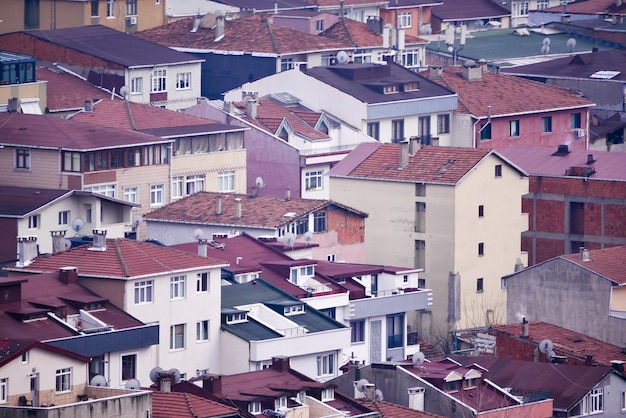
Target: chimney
{"x":524,"y":328}
{"x":434,"y":141}
{"x":88,"y":106}
{"x":219,"y":28}
{"x":471,"y":71}
{"x":561,"y":150}
{"x":99,"y":240}
{"x":618,"y":365}
{"x":229,"y":107}
{"x":13,"y":105}
{"x":213,"y":384}
{"x":202,"y":247}
{"x":27,"y":250}
{"x":369,"y":391}
{"x":280,"y":364}
{"x":196,"y":24}
{"x":165,"y":384}
{"x":341,"y":12}
{"x":238,"y":203}
{"x":287,"y":193}
{"x":584,"y":254}
{"x":404,"y":155}
{"x":58,"y":241}
{"x":68,"y":275}
{"x":416,"y":398}
{"x":590,"y":159}
{"x":218,"y":210}
{"x":436,"y":73}
{"x":414,"y":145}
{"x":589,"y":360}
{"x":251,"y":108}
{"x":483,"y":65}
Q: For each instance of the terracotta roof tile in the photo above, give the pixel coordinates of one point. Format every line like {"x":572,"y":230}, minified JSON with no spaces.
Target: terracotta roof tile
{"x":608,"y":262}
{"x":123,"y":258}
{"x":68,"y":92}
{"x":443,"y":165}
{"x":182,"y":405}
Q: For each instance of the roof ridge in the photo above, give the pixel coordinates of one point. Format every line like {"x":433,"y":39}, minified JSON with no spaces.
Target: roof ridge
{"x":189,"y":404}
{"x":120,"y":257}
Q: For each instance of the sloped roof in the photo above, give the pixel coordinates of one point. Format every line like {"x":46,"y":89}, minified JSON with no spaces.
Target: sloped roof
{"x":404,"y":4}
{"x":581,"y":66}
{"x":507,"y":95}
{"x":469,"y":9}
{"x":12,"y":348}
{"x":587,"y":7}
{"x":357,"y":35}
{"x":123,"y":259}
{"x":268,"y":212}
{"x":68,"y":92}
{"x":440,"y":165}
{"x":541,"y":161}
{"x":51,"y":132}
{"x":252,"y":34}
{"x":183,"y":405}
{"x":607,"y":262}
{"x":112,"y":45}
{"x":566,"y":342}
{"x":392,"y":410}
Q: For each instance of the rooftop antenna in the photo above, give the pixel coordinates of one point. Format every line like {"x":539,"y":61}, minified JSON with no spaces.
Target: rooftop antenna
{"x":197,"y":234}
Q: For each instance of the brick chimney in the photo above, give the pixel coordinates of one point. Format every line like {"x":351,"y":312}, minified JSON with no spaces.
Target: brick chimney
{"x":68,"y":275}
{"x":280,"y":363}
{"x":27,"y":250}
{"x":213,"y":384}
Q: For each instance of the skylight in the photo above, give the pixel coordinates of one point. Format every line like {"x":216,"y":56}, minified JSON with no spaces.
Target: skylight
{"x":604,"y":74}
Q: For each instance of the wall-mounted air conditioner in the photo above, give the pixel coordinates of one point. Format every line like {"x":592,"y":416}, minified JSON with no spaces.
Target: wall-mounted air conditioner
{"x":132,"y":20}
{"x":580,"y":133}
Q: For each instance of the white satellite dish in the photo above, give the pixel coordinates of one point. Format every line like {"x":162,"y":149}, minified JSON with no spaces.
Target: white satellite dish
{"x":198,"y":233}
{"x":98,"y":380}
{"x":259,"y":183}
{"x":124,"y":91}
{"x":132,"y":384}
{"x":361,"y":384}
{"x":175,"y":375}
{"x":289,"y":239}
{"x":154,"y":374}
{"x":545,"y":49}
{"x":546,"y":41}
{"x":545,"y":346}
{"x":342,"y":57}
{"x":571,"y":44}
{"x":308,"y":237}
{"x":78,"y":224}
{"x":137,"y":220}
{"x":418,"y":358}
{"x":67,"y":244}
{"x":378,"y":395}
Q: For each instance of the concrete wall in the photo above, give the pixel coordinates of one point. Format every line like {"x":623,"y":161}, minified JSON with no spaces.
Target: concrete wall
{"x":35,"y":90}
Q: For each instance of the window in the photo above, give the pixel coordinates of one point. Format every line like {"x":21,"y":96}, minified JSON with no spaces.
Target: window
{"x":542,"y":4}
{"x":575,"y":121}
{"x":411,"y":58}
{"x":131,"y":194}
{"x":326,"y":364}
{"x":481,"y":211}
{"x":25,"y":358}
{"x":4,"y":390}
{"x":328,"y":394}
{"x":22,"y":158}
{"x":546,"y":124}
{"x":498,"y":170}
{"x":358,"y":331}
{"x":129,"y":366}
{"x":156,"y":194}
{"x":593,"y":403}
{"x":143,"y":291}
{"x":226,"y":181}
{"x":373,"y":130}
{"x":331,"y":257}
{"x":110,"y":8}
{"x":64,"y":380}
{"x":131,"y":7}
{"x":71,"y":161}
{"x":88,"y":212}
{"x":95,"y":6}
{"x":103,"y":189}
{"x":481,"y":248}
{"x":362,"y":55}
{"x":391,"y":88}
{"x":405,"y":20}
{"x":514,"y":128}
{"x":177,"y":337}
{"x":280,"y":403}
{"x":313,"y":179}
{"x":451,"y":386}
{"x":64,"y":217}
{"x":395,"y":331}
{"x":286,"y":64}
{"x":622,"y":399}
{"x":177,"y":287}
{"x":328,"y":59}
{"x":136,"y":84}
{"x":194,"y":184}
{"x":443,"y":124}
{"x":397,"y":130}
{"x":236,"y":318}
{"x":319,"y":221}
{"x":159,"y":80}
{"x":479,"y":285}
{"x":183,"y":81}
{"x":202,"y":283}
{"x":319,"y":25}
{"x":523,"y":8}
{"x":33,"y":222}
{"x":254,"y":408}
{"x":421,"y":283}
{"x":485,"y":132}
{"x":202,"y":331}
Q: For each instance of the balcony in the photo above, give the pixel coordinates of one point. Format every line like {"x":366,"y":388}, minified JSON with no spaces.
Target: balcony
{"x":391,"y":302}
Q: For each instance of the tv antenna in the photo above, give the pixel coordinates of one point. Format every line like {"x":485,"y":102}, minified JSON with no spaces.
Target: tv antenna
{"x":78,"y":224}
{"x":289,"y":239}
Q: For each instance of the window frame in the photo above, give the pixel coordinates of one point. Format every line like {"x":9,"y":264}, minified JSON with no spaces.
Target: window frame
{"x":481,"y":211}
{"x":128,"y":370}
{"x":177,"y":337}
{"x":498,"y":170}
{"x":157,"y":195}
{"x":202,"y":282}
{"x":4,"y":390}
{"x":326,"y":365}
{"x":576,"y":120}
{"x":286,"y":64}
{"x":397,"y":130}
{"x":64,"y":217}
{"x":194,"y":184}
{"x":485,"y":132}
{"x":255,"y":408}
{"x":111,"y":9}
{"x":373,"y":130}
{"x":131,"y":7}
{"x":34,"y":222}
{"x":177,"y":287}
{"x":546,"y":124}
{"x":481,"y":249}
{"x":320,"y":221}
{"x":480,"y":285}
{"x":63,"y":380}
{"x":443,"y":123}
{"x":23,"y":159}
{"x":203,"y":331}
{"x":71,"y":161}
{"x":514,"y":128}
{"x":226,"y":181}
{"x":158,"y":80}
{"x":405,"y":20}
{"x":131,"y":194}
{"x":144,"y":292}
{"x":314,"y":180}
{"x":357,"y":331}
{"x":183,"y":81}
{"x":136,"y":85}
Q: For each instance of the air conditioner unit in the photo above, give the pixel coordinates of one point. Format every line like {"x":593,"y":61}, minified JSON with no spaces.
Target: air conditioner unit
{"x":132,"y":20}
{"x":580,"y":133}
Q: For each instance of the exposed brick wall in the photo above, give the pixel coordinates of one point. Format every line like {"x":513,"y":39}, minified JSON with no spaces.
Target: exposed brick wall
{"x":549,"y":216}
{"x":614,"y":225}
{"x":546,"y":249}
{"x":593,"y":219}
{"x":349,"y":226}
{"x":577,"y":187}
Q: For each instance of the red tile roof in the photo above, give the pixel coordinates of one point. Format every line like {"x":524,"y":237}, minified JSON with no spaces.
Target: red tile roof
{"x":442,"y":165}
{"x":608,"y":262}
{"x":566,"y":342}
{"x":357,"y":35}
{"x":123,"y":258}
{"x":68,"y":92}
{"x":392,"y":410}
{"x":182,"y":405}
{"x":507,"y":95}
{"x":260,"y":211}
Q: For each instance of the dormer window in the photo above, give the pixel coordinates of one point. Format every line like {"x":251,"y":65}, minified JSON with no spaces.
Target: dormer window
{"x":328,"y":394}
{"x":280,"y":403}
{"x":390,"y":89}
{"x":294,"y":310}
{"x":471,"y":383}
{"x":452,"y":386}
{"x":236,"y":318}
{"x":254,"y":408}
{"x":411,"y":86}
{"x":307,"y":271}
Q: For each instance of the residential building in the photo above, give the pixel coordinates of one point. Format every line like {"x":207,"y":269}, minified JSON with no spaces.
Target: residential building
{"x":121,"y":15}
{"x":581,"y":292}
{"x":19,"y":88}
{"x":475,"y":14}
{"x":575,"y":199}
{"x":150,"y":73}
{"x":181,"y":9}
{"x":259,"y":321}
{"x":445,"y":388}
{"x":412,"y":16}
{"x":335,"y":228}
{"x":178,"y":291}
{"x":521,"y":10}
{"x":456,"y":213}
{"x":54,"y":309}
{"x":51,"y":216}
{"x":385,"y":101}
{"x":188,"y":405}
{"x":497,"y":111}
{"x":580,"y":11}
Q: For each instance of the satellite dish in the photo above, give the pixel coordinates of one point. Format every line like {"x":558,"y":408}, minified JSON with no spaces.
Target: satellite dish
{"x":342,"y":57}
{"x":124,"y":91}
{"x":137,"y":220}
{"x":545,"y":346}
{"x":78,"y":224}
{"x":259,"y":182}
{"x":132,"y":384}
{"x":197,"y":233}
{"x":551,"y":354}
{"x":546,"y":41}
{"x":175,"y":375}
{"x":479,"y":23}
{"x":545,"y":49}
{"x":289,"y":239}
{"x":418,"y":358}
{"x":361,"y":384}
{"x":571,"y":44}
{"x":98,"y":380}
{"x":378,"y":395}
{"x":308,"y":237}
{"x":154,"y":374}
{"x":67,"y":243}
